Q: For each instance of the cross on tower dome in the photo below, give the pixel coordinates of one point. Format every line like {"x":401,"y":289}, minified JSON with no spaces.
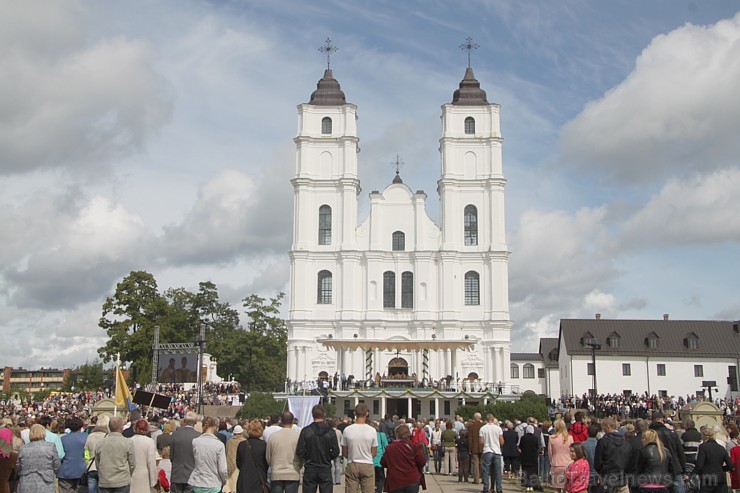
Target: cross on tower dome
{"x":469,"y":46}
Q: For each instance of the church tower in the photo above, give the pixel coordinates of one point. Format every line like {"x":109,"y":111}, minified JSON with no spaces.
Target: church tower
{"x":326,"y":192}
{"x":473,"y":253}
{"x":397,"y":300}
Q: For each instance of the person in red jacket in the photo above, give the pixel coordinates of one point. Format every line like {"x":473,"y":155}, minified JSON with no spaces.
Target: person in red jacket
{"x":579,"y":429}
{"x":578,"y":471}
{"x":404,"y":461}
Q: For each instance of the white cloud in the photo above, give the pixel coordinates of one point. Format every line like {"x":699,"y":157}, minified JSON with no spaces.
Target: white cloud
{"x":235,"y":215}
{"x":78,"y":254}
{"x":558,"y":250}
{"x":560,"y":265}
{"x":701,"y":210}
{"x":677,"y":111}
{"x":66,"y":103}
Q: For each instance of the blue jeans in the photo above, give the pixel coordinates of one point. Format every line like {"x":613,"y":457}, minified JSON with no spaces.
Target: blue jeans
{"x":545,"y":468}
{"x":337,"y":470}
{"x":678,"y":486}
{"x":277,"y":486}
{"x":492,"y":469}
{"x":92,"y":481}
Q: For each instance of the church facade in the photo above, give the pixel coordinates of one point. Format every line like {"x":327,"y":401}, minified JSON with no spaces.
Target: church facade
{"x":397,"y":300}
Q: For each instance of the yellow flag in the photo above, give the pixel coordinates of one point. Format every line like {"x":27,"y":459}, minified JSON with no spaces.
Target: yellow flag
{"x":123,"y":395}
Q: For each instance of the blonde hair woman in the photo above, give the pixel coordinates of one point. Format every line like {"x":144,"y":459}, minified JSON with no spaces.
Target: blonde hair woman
{"x":653,"y":464}
{"x":558,"y":449}
{"x":712,"y":461}
{"x":38,"y":463}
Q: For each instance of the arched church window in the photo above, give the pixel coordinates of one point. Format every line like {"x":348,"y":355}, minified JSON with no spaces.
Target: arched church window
{"x":472,"y":288}
{"x":389,"y":289}
{"x":324,"y":225}
{"x":470,"y":220}
{"x":407,"y":290}
{"x":323,"y":295}
{"x":528,"y":370}
{"x":326,"y":126}
{"x":399,"y":241}
{"x":470,"y":125}
{"x":514,"y":371}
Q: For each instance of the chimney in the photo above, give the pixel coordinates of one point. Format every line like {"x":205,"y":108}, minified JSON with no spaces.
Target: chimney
{"x":598,"y":316}
{"x":665,"y":316}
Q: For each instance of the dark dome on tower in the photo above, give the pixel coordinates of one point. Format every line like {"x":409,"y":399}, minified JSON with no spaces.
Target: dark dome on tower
{"x":470,"y":93}
{"x":328,"y":92}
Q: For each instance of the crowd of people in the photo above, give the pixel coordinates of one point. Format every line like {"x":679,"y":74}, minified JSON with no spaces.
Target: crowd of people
{"x":64,"y":404}
{"x":574,"y":453}
{"x":638,"y":406}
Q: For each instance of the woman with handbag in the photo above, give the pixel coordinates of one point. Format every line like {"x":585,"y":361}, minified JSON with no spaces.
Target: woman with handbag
{"x":252,"y":462}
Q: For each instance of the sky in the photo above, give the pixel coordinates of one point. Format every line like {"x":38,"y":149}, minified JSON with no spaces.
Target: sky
{"x":157,"y":136}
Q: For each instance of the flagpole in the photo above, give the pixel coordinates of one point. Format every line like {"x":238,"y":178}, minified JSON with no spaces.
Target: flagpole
{"x":115,"y":395}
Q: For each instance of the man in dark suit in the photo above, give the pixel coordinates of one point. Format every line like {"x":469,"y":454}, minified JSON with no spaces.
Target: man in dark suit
{"x":181,"y":454}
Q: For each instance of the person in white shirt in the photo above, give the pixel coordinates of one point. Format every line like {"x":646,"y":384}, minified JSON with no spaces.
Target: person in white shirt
{"x":274,"y":426}
{"x":491,"y":438}
{"x":359,"y":446}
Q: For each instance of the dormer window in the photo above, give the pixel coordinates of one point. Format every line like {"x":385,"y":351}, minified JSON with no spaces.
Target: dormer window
{"x":691,"y":341}
{"x":326,"y":126}
{"x":651,"y":341}
{"x":470,"y":125}
{"x":613,"y":340}
{"x":587,"y":337}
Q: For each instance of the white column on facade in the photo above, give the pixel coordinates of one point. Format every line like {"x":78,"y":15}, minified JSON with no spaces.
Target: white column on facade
{"x":296,"y":364}
{"x":357,"y":400}
{"x":346,"y":362}
{"x":453,"y":364}
{"x":290,"y":369}
{"x":436,"y":408}
{"x":410,"y":409}
{"x":501,"y":361}
{"x":382,"y":406}
{"x":301,"y":363}
{"x":487,"y":373}
{"x":359,"y":368}
{"x":495,"y":378}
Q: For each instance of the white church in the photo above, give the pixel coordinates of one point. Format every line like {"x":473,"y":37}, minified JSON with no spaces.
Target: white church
{"x":412,"y":313}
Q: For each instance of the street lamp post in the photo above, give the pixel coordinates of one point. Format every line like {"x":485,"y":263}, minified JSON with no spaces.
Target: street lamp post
{"x":200,"y":342}
{"x":594,"y":344}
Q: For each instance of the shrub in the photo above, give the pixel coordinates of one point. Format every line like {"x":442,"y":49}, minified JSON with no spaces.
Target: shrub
{"x":529,"y":404}
{"x":259,"y":405}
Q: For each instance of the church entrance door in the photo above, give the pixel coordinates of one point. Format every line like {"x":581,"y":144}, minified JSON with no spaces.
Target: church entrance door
{"x":398,"y":407}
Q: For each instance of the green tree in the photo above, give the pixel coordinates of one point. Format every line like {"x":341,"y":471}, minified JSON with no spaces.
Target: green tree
{"x":129,"y":317}
{"x":89,"y":376}
{"x":256,"y":356}
{"x":260,"y":404}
